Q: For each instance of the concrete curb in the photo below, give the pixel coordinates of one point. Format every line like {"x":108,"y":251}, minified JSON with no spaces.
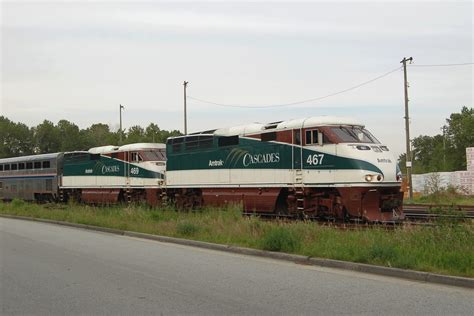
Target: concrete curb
{"x":330,"y":263}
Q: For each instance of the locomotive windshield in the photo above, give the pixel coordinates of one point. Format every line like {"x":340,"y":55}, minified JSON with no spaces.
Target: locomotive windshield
{"x":354,"y":134}
{"x":154,"y":155}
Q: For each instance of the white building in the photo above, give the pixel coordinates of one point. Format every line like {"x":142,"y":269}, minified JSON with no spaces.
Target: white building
{"x":463,"y":180}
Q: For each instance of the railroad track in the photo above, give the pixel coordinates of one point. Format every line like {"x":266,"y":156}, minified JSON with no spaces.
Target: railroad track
{"x":325,"y":221}
{"x":415,"y":214}
{"x":427,"y":212}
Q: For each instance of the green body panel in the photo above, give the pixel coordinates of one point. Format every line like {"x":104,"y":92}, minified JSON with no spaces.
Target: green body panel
{"x":98,"y":165}
{"x":256,"y":154}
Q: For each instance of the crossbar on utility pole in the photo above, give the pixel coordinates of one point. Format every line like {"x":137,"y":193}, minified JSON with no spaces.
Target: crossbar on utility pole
{"x":407,"y":127}
{"x":185,"y":84}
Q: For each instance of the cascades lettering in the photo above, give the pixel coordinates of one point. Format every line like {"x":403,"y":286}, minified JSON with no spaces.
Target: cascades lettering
{"x":110,"y":169}
{"x":250,"y":159}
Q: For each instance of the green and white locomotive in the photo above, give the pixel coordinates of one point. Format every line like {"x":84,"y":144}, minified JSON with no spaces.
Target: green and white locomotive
{"x":110,"y":174}
{"x":317,"y":166}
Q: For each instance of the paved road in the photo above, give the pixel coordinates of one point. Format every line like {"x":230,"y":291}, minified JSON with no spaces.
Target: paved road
{"x":48,"y":269}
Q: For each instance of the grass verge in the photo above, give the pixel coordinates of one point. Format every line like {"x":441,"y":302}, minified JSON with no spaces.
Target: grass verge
{"x":443,"y":197}
{"x":446,"y":248}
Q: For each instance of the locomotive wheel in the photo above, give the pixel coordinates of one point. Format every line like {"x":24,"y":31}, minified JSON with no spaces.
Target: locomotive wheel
{"x":281,"y":205}
{"x":188,"y":199}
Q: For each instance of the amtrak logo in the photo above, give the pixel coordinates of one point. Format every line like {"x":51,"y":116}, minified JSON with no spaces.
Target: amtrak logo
{"x":216,"y":163}
{"x":254,"y":159}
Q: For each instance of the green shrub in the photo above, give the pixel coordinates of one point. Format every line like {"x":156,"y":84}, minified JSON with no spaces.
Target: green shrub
{"x":281,"y":239}
{"x":157,"y":215}
{"x":17,"y":204}
{"x":384,"y":253}
{"x":186,"y":229}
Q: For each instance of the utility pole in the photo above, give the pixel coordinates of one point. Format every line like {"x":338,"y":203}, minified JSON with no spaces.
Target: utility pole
{"x":444,"y":147}
{"x":407,"y":127}
{"x":185,"y":84}
{"x":120,"y":130}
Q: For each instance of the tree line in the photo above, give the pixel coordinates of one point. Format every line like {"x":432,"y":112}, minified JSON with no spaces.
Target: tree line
{"x":17,"y":139}
{"x":445,"y":151}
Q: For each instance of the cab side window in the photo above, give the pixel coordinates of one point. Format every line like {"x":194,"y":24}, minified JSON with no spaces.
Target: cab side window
{"x":312,"y":137}
{"x":136,"y":157}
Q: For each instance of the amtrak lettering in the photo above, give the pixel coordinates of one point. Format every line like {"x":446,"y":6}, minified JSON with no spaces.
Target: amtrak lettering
{"x":110,"y":169}
{"x":250,"y":159}
{"x":216,"y":163}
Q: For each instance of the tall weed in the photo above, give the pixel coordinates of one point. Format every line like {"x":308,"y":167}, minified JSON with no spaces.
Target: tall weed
{"x":186,"y":229}
{"x":281,"y":239}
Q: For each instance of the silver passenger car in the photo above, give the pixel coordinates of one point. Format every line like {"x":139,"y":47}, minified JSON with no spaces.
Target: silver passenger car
{"x":31,"y":178}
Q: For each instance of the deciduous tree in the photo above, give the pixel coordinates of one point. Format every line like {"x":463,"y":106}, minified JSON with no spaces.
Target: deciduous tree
{"x":47,"y":138}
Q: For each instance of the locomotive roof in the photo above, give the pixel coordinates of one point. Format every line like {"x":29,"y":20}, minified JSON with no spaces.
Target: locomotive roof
{"x":314,"y":121}
{"x":30,"y":158}
{"x":140,"y":146}
{"x":258,"y":128}
{"x":129,"y":147}
{"x":103,"y":149}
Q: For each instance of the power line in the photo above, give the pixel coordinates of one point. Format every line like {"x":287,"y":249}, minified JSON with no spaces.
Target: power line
{"x":442,"y":65}
{"x":298,"y":102}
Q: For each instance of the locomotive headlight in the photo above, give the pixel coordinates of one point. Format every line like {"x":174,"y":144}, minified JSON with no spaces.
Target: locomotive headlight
{"x":373,"y":177}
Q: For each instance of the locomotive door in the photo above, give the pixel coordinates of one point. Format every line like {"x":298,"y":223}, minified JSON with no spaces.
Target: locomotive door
{"x":297,"y":154}
{"x":297,"y":150}
{"x":126,"y":170}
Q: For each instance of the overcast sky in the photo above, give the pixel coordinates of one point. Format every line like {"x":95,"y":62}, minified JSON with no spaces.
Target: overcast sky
{"x":80,"y":60}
